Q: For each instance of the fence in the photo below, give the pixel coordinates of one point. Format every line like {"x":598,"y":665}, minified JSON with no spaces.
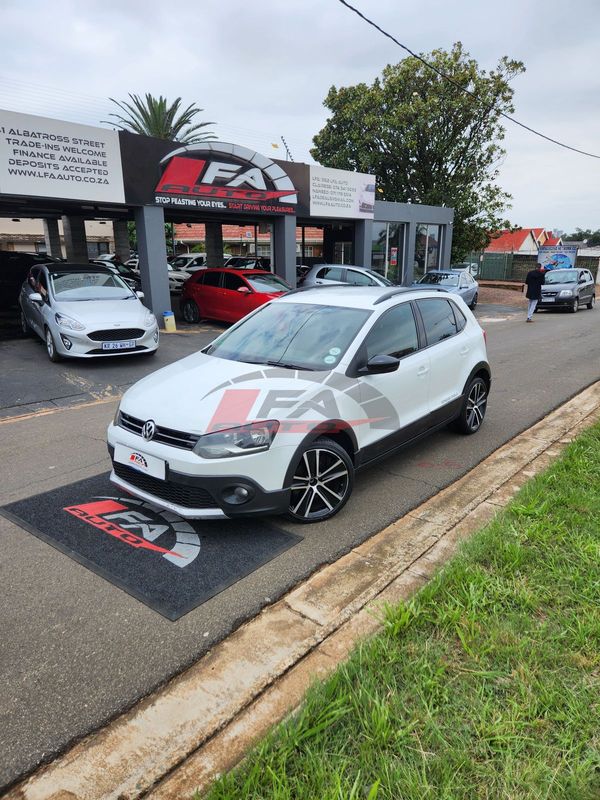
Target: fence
{"x":514,"y":267}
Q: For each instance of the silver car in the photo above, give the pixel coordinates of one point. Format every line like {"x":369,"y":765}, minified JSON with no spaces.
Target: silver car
{"x":568,"y":289}
{"x":455,"y":281}
{"x":84,"y":311}
{"x":324,"y":274}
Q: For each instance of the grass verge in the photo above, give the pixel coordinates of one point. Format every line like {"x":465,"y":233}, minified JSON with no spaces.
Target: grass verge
{"x":485,"y":685}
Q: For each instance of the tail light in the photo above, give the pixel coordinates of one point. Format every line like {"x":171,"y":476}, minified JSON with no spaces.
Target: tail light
{"x":484,"y":335}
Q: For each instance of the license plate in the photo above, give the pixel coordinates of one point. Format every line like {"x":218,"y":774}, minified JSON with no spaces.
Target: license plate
{"x":118,"y":345}
{"x":548,"y":299}
{"x":143,"y":462}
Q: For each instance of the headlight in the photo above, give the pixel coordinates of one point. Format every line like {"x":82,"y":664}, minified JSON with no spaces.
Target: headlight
{"x":566,"y":293}
{"x":117,"y":415}
{"x":149,"y":319}
{"x":68,"y":322}
{"x":252,"y":438}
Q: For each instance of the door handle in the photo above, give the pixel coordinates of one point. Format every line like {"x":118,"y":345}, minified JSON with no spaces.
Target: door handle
{"x":422,"y":370}
{"x":464,"y":351}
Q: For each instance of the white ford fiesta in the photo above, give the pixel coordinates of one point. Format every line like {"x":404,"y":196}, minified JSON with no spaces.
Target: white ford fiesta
{"x":280,"y":411}
{"x":85,"y":311}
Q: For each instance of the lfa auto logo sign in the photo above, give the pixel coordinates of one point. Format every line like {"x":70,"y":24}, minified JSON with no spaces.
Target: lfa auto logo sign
{"x":225,"y":177}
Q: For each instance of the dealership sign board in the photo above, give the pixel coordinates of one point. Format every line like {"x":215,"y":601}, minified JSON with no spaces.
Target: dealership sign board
{"x":341,"y":194}
{"x":41,"y":157}
{"x":219,"y":176}
{"x":557,"y":256}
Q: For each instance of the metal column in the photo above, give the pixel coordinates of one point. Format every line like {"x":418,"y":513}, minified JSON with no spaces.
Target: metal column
{"x":152,"y":250}
{"x":284,"y":241}
{"x":52,"y":238}
{"x":75,"y":239}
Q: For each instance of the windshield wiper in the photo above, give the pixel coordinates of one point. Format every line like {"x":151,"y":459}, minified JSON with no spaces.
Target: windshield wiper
{"x":285,"y":365}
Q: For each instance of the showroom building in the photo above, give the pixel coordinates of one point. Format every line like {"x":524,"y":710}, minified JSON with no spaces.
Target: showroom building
{"x":53,"y":171}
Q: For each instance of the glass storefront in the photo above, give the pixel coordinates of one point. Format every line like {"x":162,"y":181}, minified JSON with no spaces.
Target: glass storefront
{"x":427,"y":249}
{"x":387,"y":249}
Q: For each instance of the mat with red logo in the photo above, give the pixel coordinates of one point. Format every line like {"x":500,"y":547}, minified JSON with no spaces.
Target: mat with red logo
{"x":169,"y":563}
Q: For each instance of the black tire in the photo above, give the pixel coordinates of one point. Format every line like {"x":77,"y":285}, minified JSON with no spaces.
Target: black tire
{"x":314,"y":500}
{"x":473,"y":408}
{"x":474,"y":302}
{"x":25,"y":329}
{"x":190,"y":312}
{"x":574,"y":306}
{"x":51,"y":347}
{"x":592,"y":302}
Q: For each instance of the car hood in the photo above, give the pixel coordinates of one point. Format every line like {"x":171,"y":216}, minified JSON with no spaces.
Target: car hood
{"x":179,"y":274}
{"x":558,"y":287}
{"x":192,"y":394}
{"x":105,"y":313}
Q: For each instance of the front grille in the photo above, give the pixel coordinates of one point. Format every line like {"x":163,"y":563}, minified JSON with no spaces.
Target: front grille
{"x":185,"y":441}
{"x":116,"y":335}
{"x":177,"y":493}
{"x":549,"y":294}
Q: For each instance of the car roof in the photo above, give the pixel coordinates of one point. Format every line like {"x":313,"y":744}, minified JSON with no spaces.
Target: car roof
{"x":63,"y":266}
{"x":350,"y":296}
{"x":244,"y":272}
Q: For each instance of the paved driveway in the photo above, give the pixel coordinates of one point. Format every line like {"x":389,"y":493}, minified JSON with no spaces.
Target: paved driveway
{"x":77,"y":650}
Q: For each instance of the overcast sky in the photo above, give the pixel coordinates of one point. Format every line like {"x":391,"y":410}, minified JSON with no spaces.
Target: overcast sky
{"x":261,"y":70}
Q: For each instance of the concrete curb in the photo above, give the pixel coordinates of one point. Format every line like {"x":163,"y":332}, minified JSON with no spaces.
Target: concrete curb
{"x":177,"y":740}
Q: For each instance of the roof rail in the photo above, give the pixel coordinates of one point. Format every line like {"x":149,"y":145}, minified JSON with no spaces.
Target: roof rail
{"x":403,"y":289}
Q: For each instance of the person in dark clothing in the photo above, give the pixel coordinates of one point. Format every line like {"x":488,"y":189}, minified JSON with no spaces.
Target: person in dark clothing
{"x":534,"y":281}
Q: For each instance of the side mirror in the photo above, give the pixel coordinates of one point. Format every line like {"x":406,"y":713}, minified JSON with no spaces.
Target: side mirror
{"x":140,"y":295}
{"x":377,"y":365}
{"x":244,"y":290}
{"x":36,"y":297}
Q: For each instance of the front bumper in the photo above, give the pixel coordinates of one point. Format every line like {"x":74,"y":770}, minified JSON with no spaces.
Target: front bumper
{"x":199,"y":497}
{"x":556,"y":302}
{"x":84,"y":347}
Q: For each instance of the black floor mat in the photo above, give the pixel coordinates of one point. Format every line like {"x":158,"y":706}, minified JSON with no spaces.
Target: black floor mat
{"x":170,"y":564}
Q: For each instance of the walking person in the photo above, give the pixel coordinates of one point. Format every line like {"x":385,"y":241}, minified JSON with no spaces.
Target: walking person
{"x":534,"y":282}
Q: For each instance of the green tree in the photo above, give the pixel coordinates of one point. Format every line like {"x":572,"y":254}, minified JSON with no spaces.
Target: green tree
{"x":591,"y":237}
{"x":153,"y":116}
{"x":426,"y":139}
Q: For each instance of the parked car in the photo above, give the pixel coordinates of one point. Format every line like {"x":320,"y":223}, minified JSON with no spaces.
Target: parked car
{"x":323,"y":274}
{"x":130,"y":277}
{"x":455,"y":281}
{"x":356,"y":374}
{"x":189,"y":262}
{"x":14,"y":268}
{"x":227,"y":294}
{"x":177,"y":277}
{"x":84,"y":311}
{"x":472,"y":267}
{"x":568,"y":289}
{"x":244,"y":262}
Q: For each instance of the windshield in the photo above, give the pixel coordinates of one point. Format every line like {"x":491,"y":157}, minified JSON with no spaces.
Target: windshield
{"x":295,"y":335}
{"x":68,"y":286}
{"x":267,"y":283}
{"x":440,"y":278}
{"x":561,"y":276}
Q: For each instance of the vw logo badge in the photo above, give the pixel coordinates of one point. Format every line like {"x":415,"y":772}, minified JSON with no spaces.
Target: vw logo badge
{"x":149,"y":429}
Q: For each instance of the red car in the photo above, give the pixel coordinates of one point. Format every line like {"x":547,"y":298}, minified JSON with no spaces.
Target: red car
{"x":228,"y":294}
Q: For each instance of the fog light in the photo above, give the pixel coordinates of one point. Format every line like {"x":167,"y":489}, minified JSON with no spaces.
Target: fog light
{"x":236,"y":495}
{"x":67,"y":342}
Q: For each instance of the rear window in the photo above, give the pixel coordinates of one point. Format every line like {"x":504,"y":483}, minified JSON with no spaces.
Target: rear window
{"x":438,"y":319}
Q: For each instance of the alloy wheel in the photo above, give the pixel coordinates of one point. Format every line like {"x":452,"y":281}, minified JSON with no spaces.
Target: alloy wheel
{"x":191,"y":313}
{"x":476,"y":405}
{"x":575,"y":306}
{"x":320,"y":486}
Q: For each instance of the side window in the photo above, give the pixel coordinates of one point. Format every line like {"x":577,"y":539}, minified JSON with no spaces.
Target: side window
{"x":359,"y":278}
{"x":438,"y":319}
{"x":212,"y":279}
{"x":461,"y":320}
{"x":33,"y":278}
{"x":233,"y":282}
{"x":198,"y":277}
{"x":330,"y":273}
{"x":394,"y":334}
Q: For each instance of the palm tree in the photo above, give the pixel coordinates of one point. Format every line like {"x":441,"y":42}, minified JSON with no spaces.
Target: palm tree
{"x":154,"y":117}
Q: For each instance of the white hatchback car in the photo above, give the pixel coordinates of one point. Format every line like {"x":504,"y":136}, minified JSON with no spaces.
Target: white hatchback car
{"x":85,"y":311}
{"x":277,"y":414}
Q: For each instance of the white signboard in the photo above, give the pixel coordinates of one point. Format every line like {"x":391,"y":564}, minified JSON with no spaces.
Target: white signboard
{"x":50,"y":158}
{"x":562,"y":256}
{"x":337,"y":193}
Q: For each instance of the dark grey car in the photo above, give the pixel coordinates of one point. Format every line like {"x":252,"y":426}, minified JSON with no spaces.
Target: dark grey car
{"x":568,"y":288}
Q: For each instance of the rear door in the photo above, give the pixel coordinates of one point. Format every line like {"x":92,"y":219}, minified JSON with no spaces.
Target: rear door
{"x":236,"y":304}
{"x":210,"y":295}
{"x":396,"y":403}
{"x":450,"y":354}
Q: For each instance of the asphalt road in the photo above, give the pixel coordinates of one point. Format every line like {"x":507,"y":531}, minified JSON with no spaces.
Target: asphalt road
{"x":76,"y":650}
